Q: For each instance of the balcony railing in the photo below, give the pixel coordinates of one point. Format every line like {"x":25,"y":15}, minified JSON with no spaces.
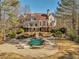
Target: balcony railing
{"x":36,"y":24}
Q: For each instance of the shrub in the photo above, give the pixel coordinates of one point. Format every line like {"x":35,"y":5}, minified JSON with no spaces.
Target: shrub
{"x":63,"y":30}
{"x":77,"y":39}
{"x":21,"y":37}
{"x":11,"y":34}
{"x":72,"y":37}
{"x":72,"y":34}
{"x":54,"y":30}
{"x":58,"y":33}
{"x":21,"y":30}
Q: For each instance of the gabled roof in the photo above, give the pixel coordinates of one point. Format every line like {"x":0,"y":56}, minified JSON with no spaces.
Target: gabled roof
{"x":39,"y":16}
{"x":36,"y":16}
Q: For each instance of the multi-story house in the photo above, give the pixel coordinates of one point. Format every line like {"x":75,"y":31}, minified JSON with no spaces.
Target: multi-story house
{"x":39,"y":22}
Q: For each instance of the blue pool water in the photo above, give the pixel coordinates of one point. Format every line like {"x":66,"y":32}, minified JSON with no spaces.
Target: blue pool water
{"x":36,"y":42}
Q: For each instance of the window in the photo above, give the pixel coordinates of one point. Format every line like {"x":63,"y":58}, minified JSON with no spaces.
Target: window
{"x":40,"y":23}
{"x":31,"y":24}
{"x":44,"y":23}
{"x":36,"y":24}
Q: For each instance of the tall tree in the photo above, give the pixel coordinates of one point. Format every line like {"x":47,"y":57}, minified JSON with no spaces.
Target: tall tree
{"x":8,"y":15}
{"x":68,"y":9}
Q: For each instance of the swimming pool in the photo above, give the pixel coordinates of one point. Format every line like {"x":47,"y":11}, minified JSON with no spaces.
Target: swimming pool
{"x":36,"y":42}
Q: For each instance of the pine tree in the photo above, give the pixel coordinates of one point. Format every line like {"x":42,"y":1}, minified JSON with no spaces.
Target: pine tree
{"x":68,"y":10}
{"x":7,"y":14}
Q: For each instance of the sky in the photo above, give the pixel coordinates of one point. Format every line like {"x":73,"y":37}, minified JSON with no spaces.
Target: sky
{"x":40,"y":6}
